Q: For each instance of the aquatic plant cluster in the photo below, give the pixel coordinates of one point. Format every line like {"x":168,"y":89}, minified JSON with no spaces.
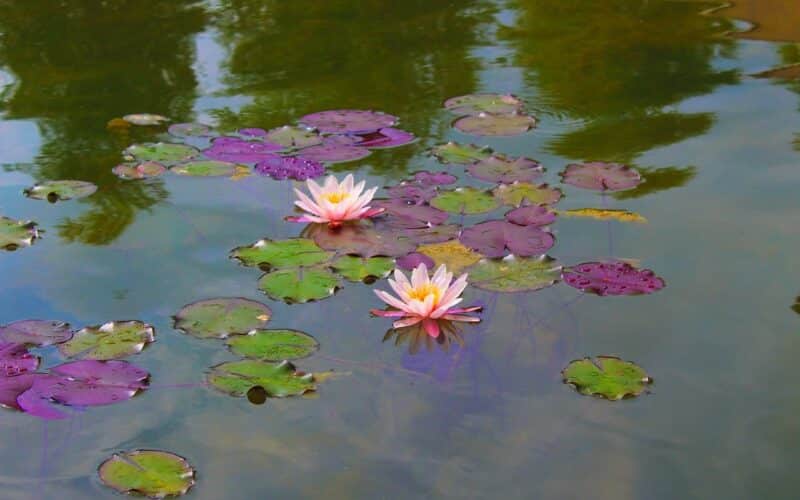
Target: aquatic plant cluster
{"x":349,"y":236}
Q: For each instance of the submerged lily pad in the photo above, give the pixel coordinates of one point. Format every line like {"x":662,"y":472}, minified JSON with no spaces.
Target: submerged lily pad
{"x":498,"y":238}
{"x":16,"y":360}
{"x":601,"y":176}
{"x":348,"y":121}
{"x":461,"y":154}
{"x":143,"y":170}
{"x":290,"y":167}
{"x":294,"y":137}
{"x":273,"y":345}
{"x":36,"y":332}
{"x":453,"y":254}
{"x":221,"y":317}
{"x":465,"y":200}
{"x":16,"y":233}
{"x":333,"y":153}
{"x":355,"y":268}
{"x":473,"y":104}
{"x":189,"y":130}
{"x":299,"y":285}
{"x":531,"y":215}
{"x":612,"y":278}
{"x":279,"y":380}
{"x":515,"y":274}
{"x":506,"y":170}
{"x":605,"y":214}
{"x":523,"y":193}
{"x":205,"y":168}
{"x":150,"y":473}
{"x":362,"y":239}
{"x":485,"y":124}
{"x":386,"y":138}
{"x":607,"y":376}
{"x":294,"y":252}
{"x":112,"y":340}
{"x":236,"y":150}
{"x":162,"y":152}
{"x":145,"y":119}
{"x":53,"y":191}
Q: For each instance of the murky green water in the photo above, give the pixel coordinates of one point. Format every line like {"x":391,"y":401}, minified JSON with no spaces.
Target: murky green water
{"x":650,"y":83}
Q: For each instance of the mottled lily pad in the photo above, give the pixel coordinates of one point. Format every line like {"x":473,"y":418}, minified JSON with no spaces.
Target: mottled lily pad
{"x":149,"y":473}
{"x":412,"y":193}
{"x":333,"y":153}
{"x":601,"y":176}
{"x":452,"y":254}
{"x":515,"y":274}
{"x":348,"y":121}
{"x":189,"y":130}
{"x":426,"y":178}
{"x":354,"y":268}
{"x":112,"y":340}
{"x":145,"y":119}
{"x":465,"y":200}
{"x":235,"y":150}
{"x":532,"y":215}
{"x":386,"y":138}
{"x":299,"y":285}
{"x":506,"y":170}
{"x":290,"y":167}
{"x":612,"y":278}
{"x":460,"y":154}
{"x":605,"y":214}
{"x":292,"y":137}
{"x":607,"y":376}
{"x":273,"y":345}
{"x":15,"y":233}
{"x":36,"y":332}
{"x":16,"y":360}
{"x":53,"y":191}
{"x":294,"y":252}
{"x":161,"y":152}
{"x":205,"y":168}
{"x":498,"y":238}
{"x":485,"y":124}
{"x":523,"y":193}
{"x":361,"y":239}
{"x":474,"y":104}
{"x":143,"y":170}
{"x":279,"y":380}
{"x":222,"y":317}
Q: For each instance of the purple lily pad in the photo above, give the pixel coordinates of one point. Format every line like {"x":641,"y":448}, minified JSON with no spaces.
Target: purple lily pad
{"x":414,"y":259}
{"x":532,"y":215}
{"x":16,"y":360}
{"x":433,"y":234}
{"x":506,"y":170}
{"x":498,"y":238}
{"x":333,"y":152}
{"x":495,"y":125}
{"x":426,"y":178}
{"x":348,"y":121}
{"x":386,"y":138}
{"x":36,"y":332}
{"x":612,"y":278}
{"x":425,"y":215}
{"x":360,"y":239}
{"x":290,"y":167}
{"x":12,"y":387}
{"x":411,"y":192}
{"x":258,"y":133}
{"x":601,"y":176}
{"x":232,"y":149}
{"x":189,"y":130}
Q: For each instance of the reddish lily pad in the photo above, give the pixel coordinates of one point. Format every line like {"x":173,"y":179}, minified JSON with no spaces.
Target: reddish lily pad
{"x":330,"y":152}
{"x":601,"y":176}
{"x":53,"y":191}
{"x":362,"y":239}
{"x":189,"y":130}
{"x":465,"y":200}
{"x":36,"y":332}
{"x":515,"y":274}
{"x":485,"y":124}
{"x":348,"y":121}
{"x":531,"y":215}
{"x":498,"y":238}
{"x":112,"y":340}
{"x":386,"y":138}
{"x":16,"y":360}
{"x":161,"y":152}
{"x":16,"y":233}
{"x":12,"y":387}
{"x":413,"y":260}
{"x":292,"y":137}
{"x":474,"y":104}
{"x":423,"y":215}
{"x":149,"y":473}
{"x":235,"y":150}
{"x":506,"y":170}
{"x":608,"y":377}
{"x":290,"y":167}
{"x":522,"y":193}
{"x":412,"y":192}
{"x":205,"y":168}
{"x":426,"y":178}
{"x":612,"y":278}
{"x":144,"y":170}
{"x":221,"y":317}
{"x":460,"y":154}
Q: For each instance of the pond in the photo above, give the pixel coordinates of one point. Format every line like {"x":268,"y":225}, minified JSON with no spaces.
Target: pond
{"x":671,"y":243}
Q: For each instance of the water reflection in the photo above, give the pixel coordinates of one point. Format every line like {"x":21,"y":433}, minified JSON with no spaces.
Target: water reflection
{"x":416,"y":337}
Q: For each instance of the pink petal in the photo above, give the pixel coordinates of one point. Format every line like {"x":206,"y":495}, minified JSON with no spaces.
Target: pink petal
{"x":465,"y":309}
{"x":304,"y":218}
{"x":402,"y":323}
{"x":432,"y":327}
{"x":461,"y":317}
{"x":388,"y":314}
{"x":394,"y":302}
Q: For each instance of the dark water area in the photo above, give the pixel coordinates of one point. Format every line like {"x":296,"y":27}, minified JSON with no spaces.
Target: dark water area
{"x":667,"y":87}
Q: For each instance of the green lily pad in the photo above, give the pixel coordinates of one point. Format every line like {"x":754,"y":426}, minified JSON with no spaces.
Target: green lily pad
{"x":278,"y":254}
{"x":461,"y":154}
{"x":294,"y":137}
{"x":151,"y":473}
{"x":161,"y":152}
{"x":53,"y":191}
{"x":354,"y":268}
{"x":144,"y":170}
{"x":465,"y":200}
{"x":495,"y":125}
{"x":222,"y":317}
{"x":607,"y":376}
{"x":205,"y":168}
{"x":279,"y":380}
{"x":524,"y":193}
{"x":16,"y":233}
{"x":299,"y":284}
{"x":273,"y":345}
{"x":514,"y":274}
{"x":473,"y":104}
{"x":112,"y":340}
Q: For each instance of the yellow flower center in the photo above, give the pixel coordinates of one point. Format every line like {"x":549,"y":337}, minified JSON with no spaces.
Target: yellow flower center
{"x":336,"y":197}
{"x":422,"y":292}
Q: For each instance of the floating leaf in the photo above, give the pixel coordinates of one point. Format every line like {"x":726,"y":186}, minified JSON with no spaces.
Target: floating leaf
{"x":53,"y":191}
{"x":161,"y":152}
{"x":612,"y":278}
{"x":279,"y":380}
{"x":348,"y":121}
{"x":465,"y":200}
{"x":252,"y":132}
{"x":386,"y":138}
{"x":532,"y":215}
{"x":294,"y":137}
{"x":453,"y":254}
{"x":221,"y":317}
{"x":515,"y":274}
{"x":412,"y":193}
{"x":495,"y":125}
{"x":498,"y":238}
{"x":362,"y":239}
{"x":12,"y":387}
{"x":333,"y":153}
{"x":523,"y":193}
{"x":474,"y":104}
{"x":433,"y":234}
{"x":601,"y":176}
{"x":150,"y":473}
{"x":421,"y":215}
{"x":299,"y":285}
{"x":498,"y":168}
{"x":294,"y":252}
{"x":205,"y":168}
{"x":16,"y":360}
{"x":607,"y":376}
{"x":17,"y":233}
{"x":145,"y":119}
{"x":355,"y":268}
{"x":426,"y":178}
{"x":143,"y":170}
{"x":290,"y":167}
{"x":235,"y":150}
{"x":36,"y":332}
{"x":461,"y":154}
{"x":189,"y":130}
{"x":273,"y":345}
{"x":112,"y":340}
{"x":413,"y":260}
{"x":604,"y":214}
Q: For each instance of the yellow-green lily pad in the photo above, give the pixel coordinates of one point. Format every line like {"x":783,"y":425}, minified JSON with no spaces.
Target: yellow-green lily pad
{"x":150,"y":473}
{"x":273,"y":345}
{"x":112,"y":340}
{"x":607,"y":377}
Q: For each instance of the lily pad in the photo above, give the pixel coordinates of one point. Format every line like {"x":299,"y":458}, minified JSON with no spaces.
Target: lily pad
{"x":290,"y":167}
{"x":53,"y":191}
{"x":473,"y":104}
{"x":523,"y":193}
{"x":426,"y":178}
{"x":465,"y":200}
{"x":221,"y":317}
{"x":36,"y":332}
{"x":294,"y":252}
{"x":413,"y":260}
{"x":12,"y":387}
{"x":433,"y":234}
{"x":273,"y":345}
{"x":348,"y":121}
{"x":16,"y":233}
{"x":235,"y":150}
{"x":612,"y":278}
{"x":412,"y":193}
{"x":498,"y":238}
{"x":506,"y":170}
{"x":149,"y":473}
{"x":299,"y":285}
{"x":292,"y":137}
{"x":452,"y":254}
{"x":205,"y":168}
{"x":144,"y":170}
{"x":145,"y":119}
{"x":532,"y":215}
{"x":189,"y":130}
{"x":386,"y":138}
{"x":606,"y":376}
{"x":354,"y":268}
{"x":515,"y":274}
{"x":461,"y":154}
{"x":605,"y":214}
{"x":423,"y":215}
{"x":252,"y":132}
{"x":279,"y":380}
{"x":601,"y":176}
{"x":16,"y":360}
{"x":361,"y":239}
{"x":112,"y":340}
{"x":333,"y":153}
{"x":485,"y":124}
{"x":161,"y":152}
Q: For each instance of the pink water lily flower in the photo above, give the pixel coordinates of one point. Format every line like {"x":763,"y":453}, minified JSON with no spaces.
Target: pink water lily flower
{"x":335,"y":203}
{"x":425,"y":299}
